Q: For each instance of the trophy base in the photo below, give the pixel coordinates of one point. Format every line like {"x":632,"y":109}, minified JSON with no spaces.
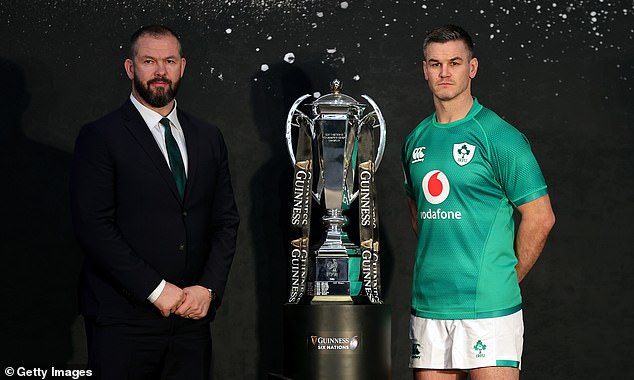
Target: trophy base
{"x":337,"y":342}
{"x":337,"y":299}
{"x":332,"y":288}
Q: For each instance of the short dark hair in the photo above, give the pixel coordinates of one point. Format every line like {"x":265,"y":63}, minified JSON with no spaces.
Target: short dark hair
{"x":154,"y":31}
{"x":448,"y":33}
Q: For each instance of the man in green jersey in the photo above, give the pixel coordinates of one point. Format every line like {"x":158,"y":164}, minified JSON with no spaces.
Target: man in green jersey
{"x":466,"y":170}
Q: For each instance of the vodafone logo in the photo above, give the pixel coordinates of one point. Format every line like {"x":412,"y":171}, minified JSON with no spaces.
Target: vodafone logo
{"x":435,"y":187}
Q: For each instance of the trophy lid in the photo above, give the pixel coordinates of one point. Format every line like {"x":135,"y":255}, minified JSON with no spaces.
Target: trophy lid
{"x":335,"y":102}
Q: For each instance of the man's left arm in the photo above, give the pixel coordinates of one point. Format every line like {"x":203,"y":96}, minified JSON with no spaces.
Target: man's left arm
{"x":224,"y":230}
{"x":536,"y":222}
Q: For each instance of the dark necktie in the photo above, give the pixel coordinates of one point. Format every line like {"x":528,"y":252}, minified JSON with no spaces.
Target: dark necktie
{"x":175,"y":158}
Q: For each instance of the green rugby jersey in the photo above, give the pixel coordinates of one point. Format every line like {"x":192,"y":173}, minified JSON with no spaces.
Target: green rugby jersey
{"x":466,"y":177}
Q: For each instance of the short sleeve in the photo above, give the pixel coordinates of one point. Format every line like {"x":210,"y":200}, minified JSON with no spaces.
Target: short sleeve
{"x":516,"y":166}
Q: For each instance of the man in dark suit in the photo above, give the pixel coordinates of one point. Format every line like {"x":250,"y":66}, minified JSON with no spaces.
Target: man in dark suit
{"x":154,"y":211}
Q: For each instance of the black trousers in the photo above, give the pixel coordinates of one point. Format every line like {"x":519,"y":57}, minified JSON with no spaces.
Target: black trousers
{"x":172,"y":348}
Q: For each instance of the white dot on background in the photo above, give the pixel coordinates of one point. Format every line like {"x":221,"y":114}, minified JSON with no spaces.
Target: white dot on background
{"x":317,"y":94}
{"x":289,"y":57}
{"x":264,"y":67}
{"x":344,"y":5}
{"x":228,"y":30}
{"x":356,"y":77}
{"x":331,"y":50}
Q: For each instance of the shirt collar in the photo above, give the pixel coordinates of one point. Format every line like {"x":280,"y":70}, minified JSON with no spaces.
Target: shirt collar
{"x":475,"y":108}
{"x":152,"y":117}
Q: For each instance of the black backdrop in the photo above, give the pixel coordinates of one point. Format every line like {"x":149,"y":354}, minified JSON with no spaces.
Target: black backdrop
{"x":561,"y":71}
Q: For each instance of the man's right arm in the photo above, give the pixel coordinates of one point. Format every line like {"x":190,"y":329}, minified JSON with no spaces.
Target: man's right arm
{"x":171,"y":298}
{"x":93,"y":206}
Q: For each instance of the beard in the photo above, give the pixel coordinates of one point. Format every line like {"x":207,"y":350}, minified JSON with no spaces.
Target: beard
{"x":156,"y":98}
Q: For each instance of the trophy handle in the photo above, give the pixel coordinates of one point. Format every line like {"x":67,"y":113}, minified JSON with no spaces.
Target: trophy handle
{"x":382,"y":130}
{"x":376,"y":114}
{"x":289,"y":124}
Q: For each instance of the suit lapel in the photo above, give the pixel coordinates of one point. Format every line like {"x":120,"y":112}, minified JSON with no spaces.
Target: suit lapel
{"x":137,"y":127}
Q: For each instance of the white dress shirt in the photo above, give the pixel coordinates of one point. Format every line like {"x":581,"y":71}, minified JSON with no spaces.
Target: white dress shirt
{"x":152,"y":119}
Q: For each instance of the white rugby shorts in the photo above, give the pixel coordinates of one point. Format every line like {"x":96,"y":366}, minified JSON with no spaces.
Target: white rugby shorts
{"x":466,"y":344}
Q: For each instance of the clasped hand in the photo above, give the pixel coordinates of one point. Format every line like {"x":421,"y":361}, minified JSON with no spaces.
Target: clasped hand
{"x":190,"y":302}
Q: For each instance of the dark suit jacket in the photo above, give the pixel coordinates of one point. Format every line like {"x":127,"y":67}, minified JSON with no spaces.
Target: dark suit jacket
{"x":129,"y":219}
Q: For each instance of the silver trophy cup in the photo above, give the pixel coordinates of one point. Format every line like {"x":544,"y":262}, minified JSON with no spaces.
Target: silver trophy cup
{"x":340,"y":136}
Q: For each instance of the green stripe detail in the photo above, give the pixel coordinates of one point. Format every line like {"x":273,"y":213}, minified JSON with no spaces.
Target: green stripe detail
{"x":531,"y":197}
{"x":472,"y":315}
{"x":507,"y":363}
{"x":499,"y":313}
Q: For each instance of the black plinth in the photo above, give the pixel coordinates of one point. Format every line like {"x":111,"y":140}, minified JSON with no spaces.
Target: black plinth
{"x":337,"y":342}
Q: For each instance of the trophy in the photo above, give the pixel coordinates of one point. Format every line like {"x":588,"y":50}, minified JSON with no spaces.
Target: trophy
{"x":336,"y":326}
{"x":340,"y":137}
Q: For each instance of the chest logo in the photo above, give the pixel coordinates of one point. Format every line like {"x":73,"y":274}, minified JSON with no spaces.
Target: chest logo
{"x":463,"y":153}
{"x":418,"y":154}
{"x":435,"y":187}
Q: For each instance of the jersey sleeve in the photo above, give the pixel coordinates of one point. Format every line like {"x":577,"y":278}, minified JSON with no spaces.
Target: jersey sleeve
{"x":517,"y":169}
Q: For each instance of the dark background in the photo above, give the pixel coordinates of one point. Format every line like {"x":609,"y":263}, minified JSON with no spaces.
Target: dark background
{"x":560,"y":71}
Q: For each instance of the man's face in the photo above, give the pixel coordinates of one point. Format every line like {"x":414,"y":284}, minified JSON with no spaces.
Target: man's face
{"x":448,"y":69}
{"x":156,"y":70}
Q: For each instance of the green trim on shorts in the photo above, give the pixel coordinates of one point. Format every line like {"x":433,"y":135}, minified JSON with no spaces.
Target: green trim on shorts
{"x":507,"y":363}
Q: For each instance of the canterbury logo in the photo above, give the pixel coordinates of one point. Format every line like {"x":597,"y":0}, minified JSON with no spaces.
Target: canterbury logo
{"x":418,"y":155}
